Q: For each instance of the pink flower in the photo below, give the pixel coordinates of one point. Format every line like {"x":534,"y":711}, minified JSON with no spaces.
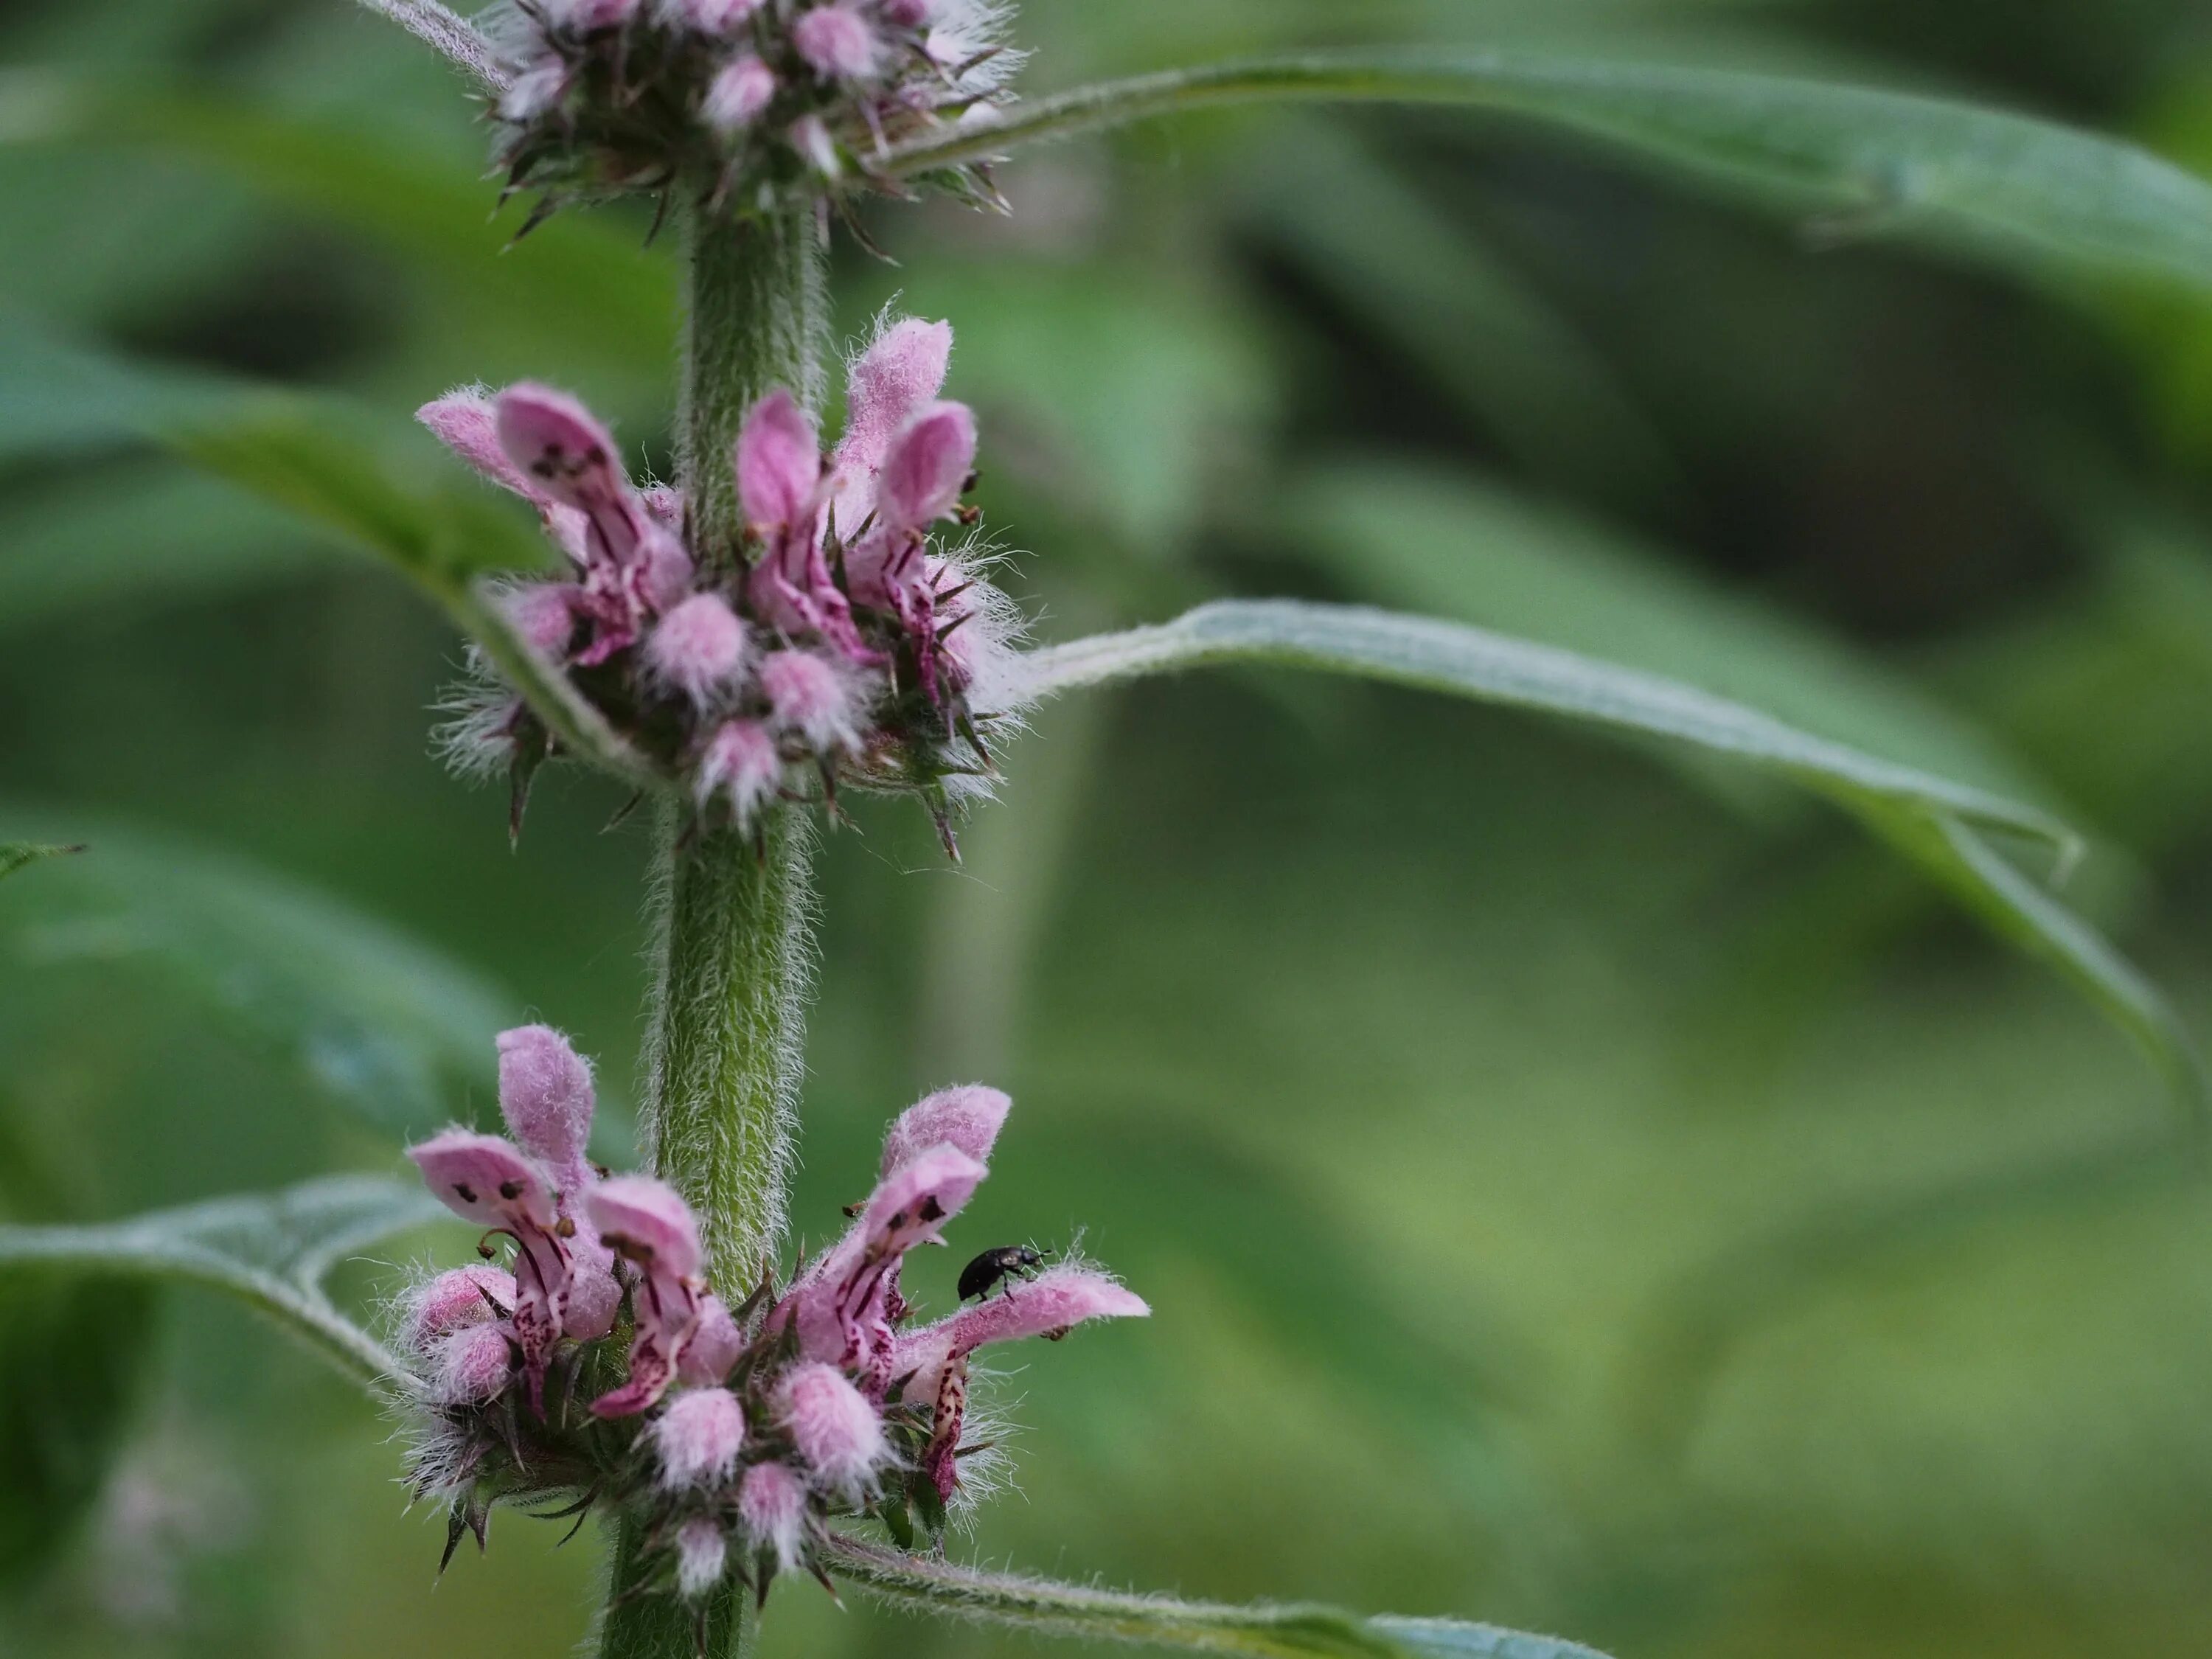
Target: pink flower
{"x":700,"y":1553}
{"x":843,"y":1305}
{"x":483,"y":1179}
{"x":897,"y":376}
{"x":969,"y":1116}
{"x":741,"y":761}
{"x":931,"y":1364}
{"x":699,"y":648}
{"x":544,"y":614}
{"x":927,"y":467}
{"x":740,"y":90}
{"x":772,"y":1507}
{"x":837,"y":42}
{"x":714,"y":1347}
{"x":908,"y":13}
{"x":458,"y":1298}
{"x":834,"y":1427}
{"x":546,"y":1096}
{"x":648,"y":1223}
{"x":779,"y":462}
{"x":554,"y":441}
{"x":809,"y":695}
{"x":699,"y":1438}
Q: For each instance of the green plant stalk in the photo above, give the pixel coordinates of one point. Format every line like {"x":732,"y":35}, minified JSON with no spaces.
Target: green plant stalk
{"x":732,"y":936}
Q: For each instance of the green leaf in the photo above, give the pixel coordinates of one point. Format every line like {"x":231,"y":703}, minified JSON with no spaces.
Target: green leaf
{"x":22,"y":854}
{"x":387,"y":1027}
{"x":322,"y":460}
{"x":70,"y":1357}
{"x":1881,"y":163}
{"x":933,"y":1585}
{"x":274,"y":1251}
{"x":1931,"y":820}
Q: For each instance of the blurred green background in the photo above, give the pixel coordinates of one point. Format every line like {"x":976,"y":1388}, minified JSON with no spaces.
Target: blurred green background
{"x":1575,"y":1191}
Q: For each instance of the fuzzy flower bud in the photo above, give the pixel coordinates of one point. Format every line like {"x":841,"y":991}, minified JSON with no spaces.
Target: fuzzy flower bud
{"x":544,"y":613}
{"x":741,"y":759}
{"x":474,"y":1363}
{"x":808,"y":695}
{"x":700,"y":1555}
{"x":699,"y":1438}
{"x":699,"y":648}
{"x":836,"y":1429}
{"x":740,"y":90}
{"x":714,"y":1346}
{"x":453,"y":1300}
{"x":546,"y":1096}
{"x":771,"y":1505}
{"x":837,"y":42}
{"x":778,"y":460}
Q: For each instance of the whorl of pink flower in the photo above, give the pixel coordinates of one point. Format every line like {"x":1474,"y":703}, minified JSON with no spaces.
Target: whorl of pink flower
{"x":457,"y":1297}
{"x":968,"y":1116}
{"x":473,"y":1365}
{"x":834,"y":1427}
{"x":837,"y":42}
{"x":1056,"y":1300}
{"x":700,"y":1553}
{"x":699,"y":1438}
{"x":741,"y":760}
{"x":779,"y":462}
{"x":546,"y":1096}
{"x":811,"y":696}
{"x":927,"y":467}
{"x":772,"y":1507}
{"x":699,"y":648}
{"x":740,"y":90}
{"x":714,"y":1346}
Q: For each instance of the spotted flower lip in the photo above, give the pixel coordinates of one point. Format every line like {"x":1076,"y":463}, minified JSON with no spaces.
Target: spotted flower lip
{"x":486,"y":1180}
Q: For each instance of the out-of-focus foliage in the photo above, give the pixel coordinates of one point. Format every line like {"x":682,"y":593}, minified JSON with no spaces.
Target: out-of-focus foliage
{"x":1574,"y":1194}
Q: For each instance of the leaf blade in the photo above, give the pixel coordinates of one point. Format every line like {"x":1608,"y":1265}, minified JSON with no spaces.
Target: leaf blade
{"x":16,"y":855}
{"x":273,"y":1251}
{"x":1266,"y":1632}
{"x":1899,"y":161}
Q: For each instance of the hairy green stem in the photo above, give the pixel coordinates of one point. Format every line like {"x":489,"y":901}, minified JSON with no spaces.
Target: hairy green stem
{"x":733,"y":936}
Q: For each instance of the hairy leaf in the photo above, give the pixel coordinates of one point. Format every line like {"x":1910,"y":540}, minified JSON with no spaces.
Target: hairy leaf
{"x":1086,"y":1613}
{"x":274,"y":1251}
{"x":1931,"y":820}
{"x":386,"y":1026}
{"x":1878,"y":162}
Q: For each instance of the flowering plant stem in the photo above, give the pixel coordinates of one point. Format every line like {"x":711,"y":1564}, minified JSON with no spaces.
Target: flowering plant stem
{"x":732,"y":943}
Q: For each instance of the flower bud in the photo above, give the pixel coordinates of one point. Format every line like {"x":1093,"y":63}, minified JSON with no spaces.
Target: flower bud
{"x":968,"y":1117}
{"x":741,"y":759}
{"x":714,"y":1346}
{"x":453,"y":1300}
{"x":700,"y":1554}
{"x":544,"y":613}
{"x":771,"y":1505}
{"x":927,"y":466}
{"x":808,"y":695}
{"x":837,"y":42}
{"x":740,"y":90}
{"x":474,"y":1363}
{"x":699,"y":1438}
{"x":836,"y":1429}
{"x":778,"y":460}
{"x":699,"y":648}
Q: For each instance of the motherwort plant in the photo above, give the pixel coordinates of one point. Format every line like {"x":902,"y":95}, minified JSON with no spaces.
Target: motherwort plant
{"x":787,"y":619}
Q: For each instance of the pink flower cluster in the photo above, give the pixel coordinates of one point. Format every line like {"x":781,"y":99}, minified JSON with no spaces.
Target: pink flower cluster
{"x":754,"y":101}
{"x":737,"y":1435}
{"x":849,"y":645}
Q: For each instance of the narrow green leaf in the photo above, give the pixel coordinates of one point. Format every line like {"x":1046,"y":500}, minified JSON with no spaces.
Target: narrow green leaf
{"x":1931,"y":820}
{"x":1881,"y":163}
{"x":932,"y":1585}
{"x":385,"y":1026}
{"x":274,"y":1251}
{"x":321,"y":460}
{"x":22,"y":854}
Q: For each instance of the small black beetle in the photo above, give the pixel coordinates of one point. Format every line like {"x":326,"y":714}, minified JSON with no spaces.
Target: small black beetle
{"x":1007,"y":1262}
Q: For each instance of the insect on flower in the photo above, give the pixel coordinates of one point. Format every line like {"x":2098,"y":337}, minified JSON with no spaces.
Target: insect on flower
{"x":1000,"y":1266}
